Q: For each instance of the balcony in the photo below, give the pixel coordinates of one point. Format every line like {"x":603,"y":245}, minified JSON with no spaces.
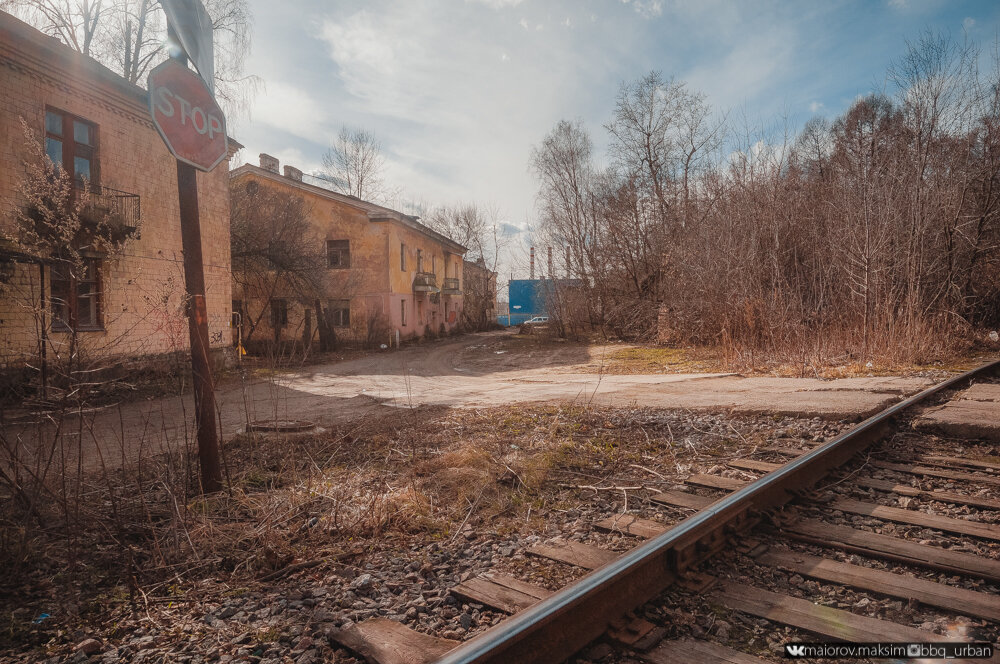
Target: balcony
{"x":425,"y":282}
{"x":451,"y":287}
{"x":116,"y":211}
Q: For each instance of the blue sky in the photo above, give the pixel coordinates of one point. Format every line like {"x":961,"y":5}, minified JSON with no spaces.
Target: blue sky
{"x":460,"y":90}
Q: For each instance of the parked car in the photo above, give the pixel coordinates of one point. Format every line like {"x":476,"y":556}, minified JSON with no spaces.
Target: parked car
{"x":537,"y":320}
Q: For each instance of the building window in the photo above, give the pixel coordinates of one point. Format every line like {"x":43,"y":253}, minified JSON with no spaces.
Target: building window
{"x":279,"y":313}
{"x":402,"y":313}
{"x":434,"y":264}
{"x":420,"y":260}
{"x":71,"y":144}
{"x":340,"y":312}
{"x":76,"y":295}
{"x":338,"y":253}
{"x":402,"y":257}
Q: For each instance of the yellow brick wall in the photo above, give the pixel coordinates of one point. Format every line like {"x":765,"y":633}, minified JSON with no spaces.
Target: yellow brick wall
{"x":143,"y":287}
{"x":375,"y":282}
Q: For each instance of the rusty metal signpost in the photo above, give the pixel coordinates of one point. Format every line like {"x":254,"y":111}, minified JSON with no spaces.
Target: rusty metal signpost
{"x":194,"y":129}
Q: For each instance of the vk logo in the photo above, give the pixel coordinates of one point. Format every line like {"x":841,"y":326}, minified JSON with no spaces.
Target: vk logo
{"x":795,"y":651}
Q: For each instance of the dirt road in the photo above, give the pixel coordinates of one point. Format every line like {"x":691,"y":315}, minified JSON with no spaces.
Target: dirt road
{"x":477,"y":370}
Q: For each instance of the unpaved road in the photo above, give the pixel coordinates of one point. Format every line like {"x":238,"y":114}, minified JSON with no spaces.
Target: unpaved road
{"x":477,"y":370}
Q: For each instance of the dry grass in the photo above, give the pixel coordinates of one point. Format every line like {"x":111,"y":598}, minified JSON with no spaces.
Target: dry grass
{"x":667,"y":360}
{"x":384,"y":483}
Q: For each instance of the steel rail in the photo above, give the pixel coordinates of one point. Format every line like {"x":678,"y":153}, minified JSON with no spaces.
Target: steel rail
{"x":557,"y":627}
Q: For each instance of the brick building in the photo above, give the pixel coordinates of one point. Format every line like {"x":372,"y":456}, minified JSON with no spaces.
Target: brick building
{"x":480,"y":311}
{"x":96,"y":125}
{"x":385,"y":272}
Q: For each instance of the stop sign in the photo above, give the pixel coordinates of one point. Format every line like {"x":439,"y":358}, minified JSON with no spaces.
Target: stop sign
{"x":186,"y":115}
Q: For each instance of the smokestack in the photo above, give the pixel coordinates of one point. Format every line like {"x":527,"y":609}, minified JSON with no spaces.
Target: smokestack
{"x":532,"y":263}
{"x":291,"y":172}
{"x":550,"y":263}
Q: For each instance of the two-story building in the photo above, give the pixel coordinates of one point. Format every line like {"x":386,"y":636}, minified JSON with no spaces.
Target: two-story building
{"x":95,"y":125}
{"x":386,"y":274}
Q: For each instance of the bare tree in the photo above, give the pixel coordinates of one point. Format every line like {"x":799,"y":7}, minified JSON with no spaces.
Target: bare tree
{"x":129,"y":36}
{"x":478,"y":227}
{"x":875,"y":235}
{"x":275,"y":250}
{"x":77,"y":23}
{"x":355,"y":165}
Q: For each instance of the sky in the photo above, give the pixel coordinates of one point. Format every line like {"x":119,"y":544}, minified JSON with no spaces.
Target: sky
{"x":459,"y":91}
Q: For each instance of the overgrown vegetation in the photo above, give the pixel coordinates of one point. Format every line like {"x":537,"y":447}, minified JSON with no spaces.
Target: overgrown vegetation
{"x":872,"y":237}
{"x":142,"y":532}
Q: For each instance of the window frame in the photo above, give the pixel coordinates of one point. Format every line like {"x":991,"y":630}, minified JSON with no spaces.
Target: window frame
{"x":70,"y":148}
{"x":64,"y":303}
{"x":339,"y":251}
{"x":338,"y":309}
{"x":282,"y":309}
{"x":402,"y":257}
{"x":402,"y":313}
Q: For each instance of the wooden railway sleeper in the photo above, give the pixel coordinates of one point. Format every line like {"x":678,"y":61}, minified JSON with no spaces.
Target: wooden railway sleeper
{"x":686,"y":557}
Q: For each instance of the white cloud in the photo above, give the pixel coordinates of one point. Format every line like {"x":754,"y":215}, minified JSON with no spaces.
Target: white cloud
{"x":497,"y":4}
{"x":899,"y":4}
{"x":815,"y":107}
{"x":357,"y":42}
{"x":285,"y":107}
{"x":646,"y":8}
{"x":969,"y":23}
{"x":523,"y":23}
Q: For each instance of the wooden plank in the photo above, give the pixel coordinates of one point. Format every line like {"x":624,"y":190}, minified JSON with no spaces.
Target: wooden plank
{"x":817,"y":619}
{"x":574,"y":553}
{"x":753,"y":464}
{"x":936,"y":459}
{"x":936,"y":472}
{"x":683,"y":499}
{"x":692,"y":651}
{"x":630,"y":524}
{"x":715,"y":482}
{"x":915,"y":518}
{"x":942,"y":496}
{"x":892,"y":548}
{"x":383,"y":641}
{"x":486,"y":591}
{"x":931,"y":593}
{"x":516,"y":584}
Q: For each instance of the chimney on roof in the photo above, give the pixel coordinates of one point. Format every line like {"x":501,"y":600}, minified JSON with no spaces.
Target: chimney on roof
{"x":268,"y":163}
{"x":532,"y":263}
{"x":293,"y":173}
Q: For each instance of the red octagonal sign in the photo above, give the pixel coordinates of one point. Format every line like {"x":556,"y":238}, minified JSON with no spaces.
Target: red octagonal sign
{"x":186,"y":115}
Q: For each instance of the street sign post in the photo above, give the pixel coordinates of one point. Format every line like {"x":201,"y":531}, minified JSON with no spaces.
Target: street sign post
{"x":194,"y":129}
{"x":187,"y":116}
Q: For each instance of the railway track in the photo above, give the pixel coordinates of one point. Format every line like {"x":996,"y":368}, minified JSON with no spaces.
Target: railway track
{"x":881,"y":511}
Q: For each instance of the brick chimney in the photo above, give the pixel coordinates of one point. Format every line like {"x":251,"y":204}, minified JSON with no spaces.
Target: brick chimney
{"x":293,"y":173}
{"x":268,"y":163}
{"x":532,"y":273}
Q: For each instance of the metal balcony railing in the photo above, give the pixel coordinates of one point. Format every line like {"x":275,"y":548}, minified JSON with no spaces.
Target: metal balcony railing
{"x":451,"y":287}
{"x":119,"y":210}
{"x":425,"y":282}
